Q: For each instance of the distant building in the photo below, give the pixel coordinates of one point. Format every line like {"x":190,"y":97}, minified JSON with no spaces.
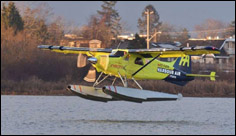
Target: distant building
{"x":143,"y":35}
{"x":225,"y":60}
{"x":71,"y":36}
{"x":95,"y":43}
{"x":126,"y":37}
{"x":75,"y":41}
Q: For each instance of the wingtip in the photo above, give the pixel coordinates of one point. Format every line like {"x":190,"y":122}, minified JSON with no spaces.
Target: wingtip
{"x":212,"y":48}
{"x":43,"y":46}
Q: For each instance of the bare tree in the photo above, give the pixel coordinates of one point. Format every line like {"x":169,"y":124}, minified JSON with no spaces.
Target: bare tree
{"x":97,"y":29}
{"x":167,"y":33}
{"x":183,"y":35}
{"x":230,"y":29}
{"x":210,"y":28}
{"x":154,"y":20}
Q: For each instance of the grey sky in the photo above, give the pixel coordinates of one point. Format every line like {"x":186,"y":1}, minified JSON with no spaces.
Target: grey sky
{"x":179,"y":13}
{"x":183,"y":14}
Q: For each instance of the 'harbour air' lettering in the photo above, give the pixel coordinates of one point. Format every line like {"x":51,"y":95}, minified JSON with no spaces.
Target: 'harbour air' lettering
{"x":168,"y":71}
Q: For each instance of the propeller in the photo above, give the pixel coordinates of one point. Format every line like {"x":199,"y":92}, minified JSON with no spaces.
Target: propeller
{"x":91,"y":76}
{"x":82,"y":62}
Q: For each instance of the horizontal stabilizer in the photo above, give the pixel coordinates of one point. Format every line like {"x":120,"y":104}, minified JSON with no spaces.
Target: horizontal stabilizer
{"x":212,"y":75}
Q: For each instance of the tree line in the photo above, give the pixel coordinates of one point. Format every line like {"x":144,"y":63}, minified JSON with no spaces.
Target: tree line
{"x":105,"y":25}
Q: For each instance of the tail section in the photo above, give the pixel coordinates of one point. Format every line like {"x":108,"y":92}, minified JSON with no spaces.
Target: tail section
{"x":183,"y":64}
{"x":182,"y":70}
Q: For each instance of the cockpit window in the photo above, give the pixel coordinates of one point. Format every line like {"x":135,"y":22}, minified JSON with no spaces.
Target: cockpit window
{"x":138,"y":61}
{"x":117,"y":54}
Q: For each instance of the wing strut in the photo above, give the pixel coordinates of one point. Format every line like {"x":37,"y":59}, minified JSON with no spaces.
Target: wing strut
{"x":137,"y":83}
{"x":97,"y":82}
{"x":145,"y":65}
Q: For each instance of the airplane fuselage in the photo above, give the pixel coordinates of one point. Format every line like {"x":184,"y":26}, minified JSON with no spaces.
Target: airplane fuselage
{"x":127,"y":64}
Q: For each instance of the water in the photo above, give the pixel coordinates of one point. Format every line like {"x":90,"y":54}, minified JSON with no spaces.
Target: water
{"x":74,"y":115}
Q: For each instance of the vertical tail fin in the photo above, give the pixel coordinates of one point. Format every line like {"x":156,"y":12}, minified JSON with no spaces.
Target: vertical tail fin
{"x":212,"y":76}
{"x":183,"y":64}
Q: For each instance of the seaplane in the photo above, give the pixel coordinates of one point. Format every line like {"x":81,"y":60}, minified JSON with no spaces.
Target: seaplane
{"x":134,"y":64}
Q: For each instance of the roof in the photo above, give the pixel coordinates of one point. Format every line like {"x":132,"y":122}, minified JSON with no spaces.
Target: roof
{"x":121,"y":45}
{"x":215,"y":43}
{"x":203,"y":42}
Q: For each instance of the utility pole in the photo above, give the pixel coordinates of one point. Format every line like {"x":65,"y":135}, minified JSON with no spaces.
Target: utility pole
{"x":155,"y":37}
{"x":148,"y":20}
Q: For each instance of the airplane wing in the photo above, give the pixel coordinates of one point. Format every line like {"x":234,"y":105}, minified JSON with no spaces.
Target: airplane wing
{"x":162,"y":52}
{"x":76,"y":50}
{"x":177,"y":52}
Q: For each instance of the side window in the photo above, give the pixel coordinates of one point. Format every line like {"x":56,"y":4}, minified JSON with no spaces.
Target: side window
{"x":117,"y":54}
{"x":138,"y":61}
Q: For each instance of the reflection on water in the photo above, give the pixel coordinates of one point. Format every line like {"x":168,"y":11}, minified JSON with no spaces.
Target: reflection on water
{"x":73,"y":115}
{"x":136,"y":122}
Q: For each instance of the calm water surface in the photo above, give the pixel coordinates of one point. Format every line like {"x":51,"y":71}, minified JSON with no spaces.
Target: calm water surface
{"x":74,"y":115}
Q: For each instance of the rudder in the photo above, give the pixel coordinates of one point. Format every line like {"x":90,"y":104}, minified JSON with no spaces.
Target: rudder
{"x":183,"y":64}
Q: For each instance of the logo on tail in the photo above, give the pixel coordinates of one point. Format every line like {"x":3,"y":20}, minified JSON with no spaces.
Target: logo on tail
{"x":184,"y":60}
{"x":183,"y":64}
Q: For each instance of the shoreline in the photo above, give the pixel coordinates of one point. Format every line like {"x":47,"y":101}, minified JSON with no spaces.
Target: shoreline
{"x":195,"y":88}
{"x":71,"y":94}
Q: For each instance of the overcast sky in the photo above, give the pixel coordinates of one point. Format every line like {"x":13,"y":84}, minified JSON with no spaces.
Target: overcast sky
{"x":182,"y":14}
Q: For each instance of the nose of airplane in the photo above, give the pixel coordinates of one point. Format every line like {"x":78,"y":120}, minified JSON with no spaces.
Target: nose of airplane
{"x":93,"y":60}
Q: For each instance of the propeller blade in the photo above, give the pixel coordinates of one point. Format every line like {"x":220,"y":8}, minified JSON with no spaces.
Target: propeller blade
{"x":91,"y":76}
{"x":82,"y":60}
